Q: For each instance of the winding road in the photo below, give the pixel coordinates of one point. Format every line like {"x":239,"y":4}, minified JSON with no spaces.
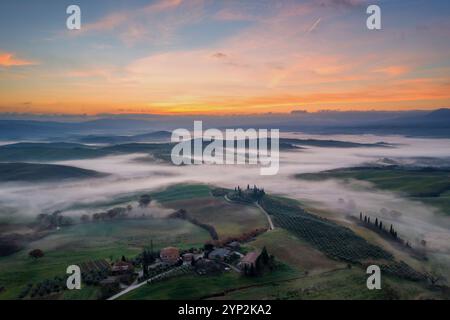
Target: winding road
{"x":269,"y":219}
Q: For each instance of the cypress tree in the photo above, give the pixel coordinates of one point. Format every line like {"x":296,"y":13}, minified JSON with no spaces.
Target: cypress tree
{"x":265,"y":256}
{"x":252,"y":270}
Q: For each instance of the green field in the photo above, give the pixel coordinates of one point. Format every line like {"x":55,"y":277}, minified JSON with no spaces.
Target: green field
{"x":196,"y":287}
{"x":431,"y":186}
{"x":286,"y":284}
{"x":343,"y":284}
{"x":229,"y":219}
{"x":296,"y":253}
{"x":84,"y":242}
{"x":171,"y":193}
{"x":308,"y":251}
{"x":129,"y":232}
{"x":181,"y":192}
{"x":112,"y":239}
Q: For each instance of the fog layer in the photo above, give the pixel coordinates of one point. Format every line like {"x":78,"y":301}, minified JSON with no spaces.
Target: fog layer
{"x":413,"y":219}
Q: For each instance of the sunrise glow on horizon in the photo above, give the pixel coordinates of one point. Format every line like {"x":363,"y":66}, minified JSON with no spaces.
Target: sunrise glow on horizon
{"x":223,"y":57}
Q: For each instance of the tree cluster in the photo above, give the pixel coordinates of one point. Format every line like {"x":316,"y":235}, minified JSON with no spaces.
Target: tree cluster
{"x":46,"y":221}
{"x":144,"y":201}
{"x":250,"y":194}
{"x":378,"y":224}
{"x":36,"y":254}
{"x":114,"y":213}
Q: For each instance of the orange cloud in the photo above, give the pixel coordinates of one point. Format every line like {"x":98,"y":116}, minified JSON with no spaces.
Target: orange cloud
{"x":9,"y":60}
{"x":393,"y":70}
{"x":90,"y":73}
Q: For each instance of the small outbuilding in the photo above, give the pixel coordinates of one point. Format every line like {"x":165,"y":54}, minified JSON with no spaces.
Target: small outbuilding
{"x":234,"y":245}
{"x":170,"y":255}
{"x":122,"y":267}
{"x":220,"y":254}
{"x":188,"y":257}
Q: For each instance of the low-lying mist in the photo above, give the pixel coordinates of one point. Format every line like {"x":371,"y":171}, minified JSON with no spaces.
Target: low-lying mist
{"x":414,"y":220}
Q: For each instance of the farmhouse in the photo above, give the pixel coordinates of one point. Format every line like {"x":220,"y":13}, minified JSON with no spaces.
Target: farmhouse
{"x":220,"y":254}
{"x":170,"y":255}
{"x":249,"y":259}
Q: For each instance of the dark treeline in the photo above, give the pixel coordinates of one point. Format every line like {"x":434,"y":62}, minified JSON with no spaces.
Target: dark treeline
{"x":54,"y":220}
{"x":380,"y":227}
{"x":117,"y":212}
{"x":183,"y":214}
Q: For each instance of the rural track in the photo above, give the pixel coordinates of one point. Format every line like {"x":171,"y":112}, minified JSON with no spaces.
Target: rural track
{"x":269,"y":219}
{"x":136,"y":286}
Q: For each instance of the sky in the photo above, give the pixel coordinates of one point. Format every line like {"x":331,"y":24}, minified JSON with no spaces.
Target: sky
{"x":223,"y":57}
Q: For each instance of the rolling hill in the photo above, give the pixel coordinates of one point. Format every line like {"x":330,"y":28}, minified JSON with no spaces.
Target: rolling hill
{"x":31,"y":172}
{"x":26,"y":152}
{"x":60,"y":151}
{"x":428,"y":185}
{"x":147,"y":137}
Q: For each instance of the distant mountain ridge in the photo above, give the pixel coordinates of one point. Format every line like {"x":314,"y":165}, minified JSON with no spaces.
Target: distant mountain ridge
{"x":118,"y":129}
{"x":103,"y":139}
{"x":440,"y":114}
